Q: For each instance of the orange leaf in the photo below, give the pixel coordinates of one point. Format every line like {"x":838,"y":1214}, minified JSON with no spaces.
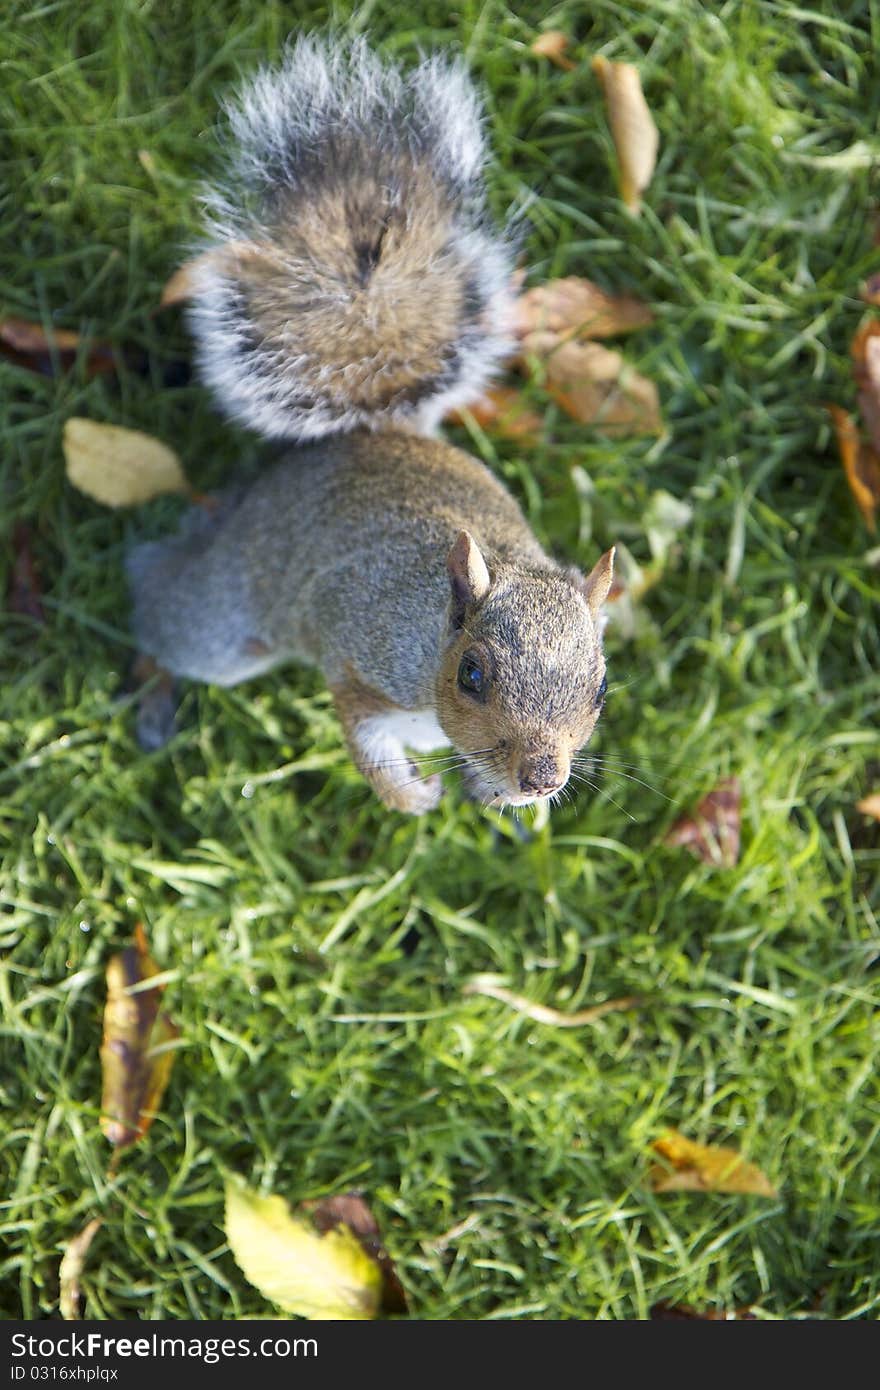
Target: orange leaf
{"x":552,"y":45}
{"x":502,"y":411}
{"x":712,"y":832}
{"x":576,"y":307}
{"x":632,"y":128}
{"x":861,"y":465}
{"x":691,"y":1167}
{"x":870,"y":805}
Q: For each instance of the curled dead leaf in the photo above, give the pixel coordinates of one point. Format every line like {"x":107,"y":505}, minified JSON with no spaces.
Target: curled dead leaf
{"x":690,"y":1167}
{"x":712,"y":831}
{"x":552,"y":44}
{"x":633,"y":131}
{"x":861,"y":465}
{"x":573,"y":306}
{"x":541,"y":1014}
{"x":45,"y":350}
{"x":119,"y":467}
{"x":596,"y":386}
{"x":70,"y":1271}
{"x":136,"y":1058}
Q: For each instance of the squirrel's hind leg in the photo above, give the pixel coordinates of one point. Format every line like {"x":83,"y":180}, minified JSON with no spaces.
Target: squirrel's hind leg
{"x":379,"y":734}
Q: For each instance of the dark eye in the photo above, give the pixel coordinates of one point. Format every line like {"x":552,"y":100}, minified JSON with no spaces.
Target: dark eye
{"x":601,"y":692}
{"x":471,"y":676}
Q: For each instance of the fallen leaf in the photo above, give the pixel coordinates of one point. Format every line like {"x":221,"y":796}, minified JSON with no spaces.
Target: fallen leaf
{"x":541,"y":1014}
{"x":351,"y":1210}
{"x":572,"y":306}
{"x":870,"y":290}
{"x":712,"y":832}
{"x":502,"y":411}
{"x":25,"y":594}
{"x":136,"y":1060}
{"x":861,"y":464}
{"x":303,"y":1272}
{"x":870,"y":805}
{"x":552,"y":44}
{"x":40,"y":350}
{"x":596,"y":386}
{"x":117,"y":466}
{"x":691,"y":1167}
{"x":185,"y":281}
{"x":632,"y":128}
{"x":71,"y":1268}
{"x":664,"y":1311}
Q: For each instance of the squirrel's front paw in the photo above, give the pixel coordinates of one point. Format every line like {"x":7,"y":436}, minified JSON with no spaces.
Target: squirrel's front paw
{"x":415,"y":796}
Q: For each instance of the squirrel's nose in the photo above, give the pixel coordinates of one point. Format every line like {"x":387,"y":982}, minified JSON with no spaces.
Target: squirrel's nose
{"x":541,"y":778}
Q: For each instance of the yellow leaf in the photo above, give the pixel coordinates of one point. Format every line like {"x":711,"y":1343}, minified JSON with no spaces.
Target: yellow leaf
{"x":502,"y":411}
{"x":119,"y":467}
{"x":309,"y":1275}
{"x":691,"y":1167}
{"x":632,"y":128}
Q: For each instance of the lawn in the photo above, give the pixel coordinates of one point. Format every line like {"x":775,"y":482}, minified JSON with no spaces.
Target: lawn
{"x":318,"y":948}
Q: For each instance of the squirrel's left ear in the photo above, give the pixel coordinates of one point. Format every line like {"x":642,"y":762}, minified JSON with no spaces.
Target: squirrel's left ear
{"x":468,"y":575}
{"x":597,"y":583}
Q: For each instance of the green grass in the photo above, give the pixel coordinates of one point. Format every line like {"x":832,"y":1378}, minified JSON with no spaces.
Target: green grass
{"x":318,"y":946}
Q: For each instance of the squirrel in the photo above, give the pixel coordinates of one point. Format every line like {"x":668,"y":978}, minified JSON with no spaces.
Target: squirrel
{"x":352,"y":292}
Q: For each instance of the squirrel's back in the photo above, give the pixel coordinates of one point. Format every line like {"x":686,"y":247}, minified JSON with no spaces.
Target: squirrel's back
{"x":353,"y":278}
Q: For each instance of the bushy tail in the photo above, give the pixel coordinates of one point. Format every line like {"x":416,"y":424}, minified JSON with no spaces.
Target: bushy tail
{"x":354,"y":278}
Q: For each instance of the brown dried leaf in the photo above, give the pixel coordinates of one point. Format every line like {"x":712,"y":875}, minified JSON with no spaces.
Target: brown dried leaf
{"x":572,"y":306}
{"x":30,"y":345}
{"x":712,"y":832}
{"x":552,"y":44}
{"x":861,"y":464}
{"x":71,"y":1268}
{"x":502,"y":411}
{"x":596,"y":386}
{"x":24,"y":594}
{"x":351,"y":1210}
{"x":632,"y":128}
{"x":691,"y":1167}
{"x":135,"y":1070}
{"x":541,"y":1014}
{"x":870,"y":805}
{"x":117,"y":466}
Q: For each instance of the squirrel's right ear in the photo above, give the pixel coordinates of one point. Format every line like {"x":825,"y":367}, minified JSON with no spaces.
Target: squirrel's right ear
{"x":597,"y":583}
{"x":468,"y":575}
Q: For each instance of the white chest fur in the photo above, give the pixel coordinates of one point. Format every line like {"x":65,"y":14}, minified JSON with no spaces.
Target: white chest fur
{"x":415,"y":729}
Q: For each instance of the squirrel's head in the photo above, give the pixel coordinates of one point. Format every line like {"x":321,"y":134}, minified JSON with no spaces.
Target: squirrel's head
{"x":522,"y":678}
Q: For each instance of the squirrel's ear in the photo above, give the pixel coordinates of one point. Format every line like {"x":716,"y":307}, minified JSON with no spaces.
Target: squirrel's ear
{"x":467,"y":572}
{"x":597,"y":583}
